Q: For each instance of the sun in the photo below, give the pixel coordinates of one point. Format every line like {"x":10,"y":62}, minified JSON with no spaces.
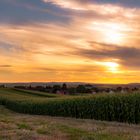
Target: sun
{"x":112,"y":33}
{"x":111,"y":66}
{"x":113,"y":37}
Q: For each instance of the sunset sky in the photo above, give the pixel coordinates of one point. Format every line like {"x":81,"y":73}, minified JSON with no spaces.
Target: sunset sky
{"x":95,"y":41}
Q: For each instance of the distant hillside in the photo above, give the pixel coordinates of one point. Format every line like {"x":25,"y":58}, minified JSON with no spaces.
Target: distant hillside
{"x":71,"y":84}
{"x":41,"y":84}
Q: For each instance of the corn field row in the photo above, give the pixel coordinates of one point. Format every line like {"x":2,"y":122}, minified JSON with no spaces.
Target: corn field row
{"x":121,"y":108}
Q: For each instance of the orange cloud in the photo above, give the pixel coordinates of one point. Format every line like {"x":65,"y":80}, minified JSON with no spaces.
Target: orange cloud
{"x":102,"y":45}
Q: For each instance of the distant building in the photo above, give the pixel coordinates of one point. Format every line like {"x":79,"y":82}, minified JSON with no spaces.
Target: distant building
{"x":111,"y":92}
{"x":93,"y":92}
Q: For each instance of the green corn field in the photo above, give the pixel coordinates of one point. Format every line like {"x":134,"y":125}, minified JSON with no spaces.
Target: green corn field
{"x":116,"y":107}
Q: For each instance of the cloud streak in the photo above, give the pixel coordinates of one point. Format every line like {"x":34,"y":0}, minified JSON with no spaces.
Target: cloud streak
{"x":5,"y":66}
{"x":89,"y":39}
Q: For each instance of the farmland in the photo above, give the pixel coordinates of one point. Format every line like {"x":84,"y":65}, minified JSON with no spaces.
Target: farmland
{"x":121,"y":108}
{"x":40,"y":121}
{"x":15,"y":126}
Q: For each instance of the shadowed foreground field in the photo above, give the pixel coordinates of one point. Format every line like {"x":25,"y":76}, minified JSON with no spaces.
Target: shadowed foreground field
{"x":14,"y":126}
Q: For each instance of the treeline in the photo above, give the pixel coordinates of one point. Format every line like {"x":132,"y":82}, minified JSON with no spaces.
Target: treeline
{"x":61,"y":89}
{"x":79,"y":89}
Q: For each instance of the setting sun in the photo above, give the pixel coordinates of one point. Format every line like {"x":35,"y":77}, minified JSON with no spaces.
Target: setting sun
{"x":113,"y":37}
{"x":112,"y":66}
{"x":113,"y":33}
{"x":69,"y":58}
{"x":70,"y":41}
{"x":110,"y":32}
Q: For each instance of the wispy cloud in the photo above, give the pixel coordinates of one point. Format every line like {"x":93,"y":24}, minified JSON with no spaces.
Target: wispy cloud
{"x":89,"y":39}
{"x":94,"y":6}
{"x":5,"y":66}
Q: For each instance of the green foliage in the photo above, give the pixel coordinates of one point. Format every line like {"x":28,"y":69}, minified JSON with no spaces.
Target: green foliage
{"x":81,"y":89}
{"x":36,"y":93}
{"x":24,"y":126}
{"x":117,"y":107}
{"x":43,"y":131}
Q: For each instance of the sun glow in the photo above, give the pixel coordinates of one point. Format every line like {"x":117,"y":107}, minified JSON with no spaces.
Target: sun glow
{"x":113,"y":37}
{"x":110,"y":32}
{"x":112,"y":66}
{"x":113,"y":33}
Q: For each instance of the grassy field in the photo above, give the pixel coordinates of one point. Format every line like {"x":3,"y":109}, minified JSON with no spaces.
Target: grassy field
{"x":115,"y":107}
{"x":14,"y":126}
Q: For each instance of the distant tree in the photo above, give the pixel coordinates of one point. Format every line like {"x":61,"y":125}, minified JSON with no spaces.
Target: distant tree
{"x":72,"y":90}
{"x":20,"y":87}
{"x":30,"y":87}
{"x":135,"y":89}
{"x":95,"y":89}
{"x":55,"y":88}
{"x":81,"y":89}
{"x":2,"y":86}
{"x":119,"y":89}
{"x":89,"y":85}
{"x":64,"y":89}
{"x":40,"y":88}
{"x":48,"y":89}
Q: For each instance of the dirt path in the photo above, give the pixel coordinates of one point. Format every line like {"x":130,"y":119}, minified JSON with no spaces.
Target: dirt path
{"x":14,"y":126}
